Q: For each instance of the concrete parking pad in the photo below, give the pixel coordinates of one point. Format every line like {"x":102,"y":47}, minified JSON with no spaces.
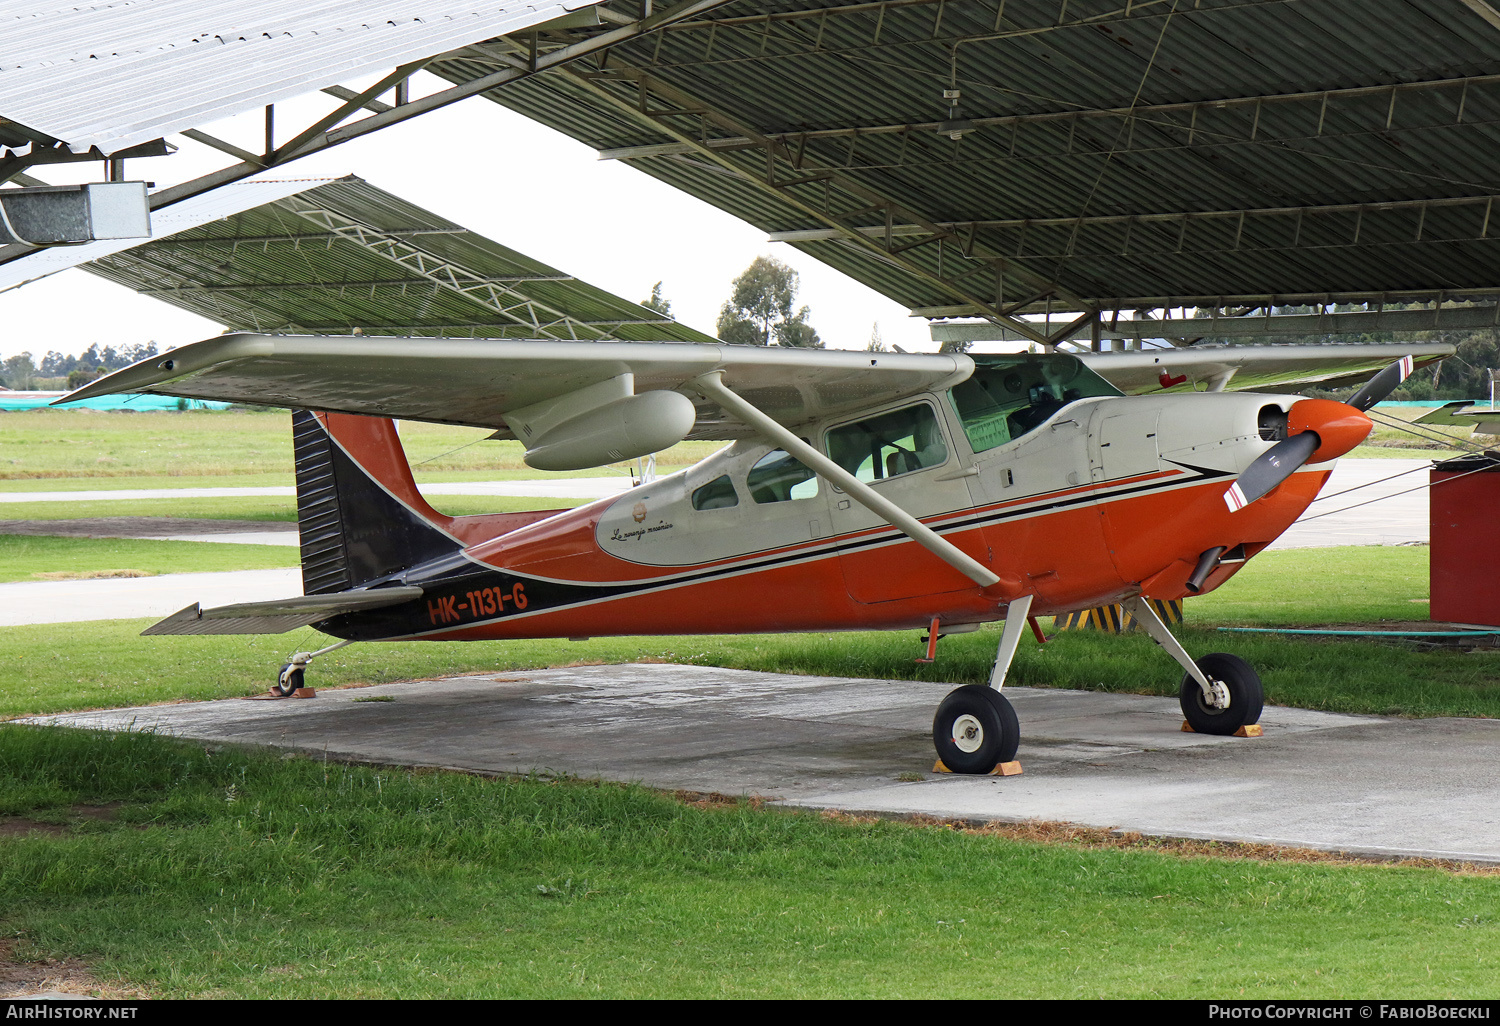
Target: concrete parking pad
{"x":1373,"y":785}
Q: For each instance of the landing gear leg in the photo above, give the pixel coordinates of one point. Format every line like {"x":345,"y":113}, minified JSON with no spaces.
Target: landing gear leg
{"x":976,"y":729}
{"x":1220,"y":694}
{"x":289,"y":678}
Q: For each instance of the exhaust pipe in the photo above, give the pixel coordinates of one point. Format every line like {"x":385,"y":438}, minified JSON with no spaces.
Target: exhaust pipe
{"x":1207,"y":563}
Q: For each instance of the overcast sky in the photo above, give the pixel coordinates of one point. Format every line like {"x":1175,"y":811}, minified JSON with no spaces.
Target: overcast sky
{"x":503,"y":176}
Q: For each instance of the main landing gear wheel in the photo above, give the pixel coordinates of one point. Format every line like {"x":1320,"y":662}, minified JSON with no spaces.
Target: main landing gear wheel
{"x":289,"y":679}
{"x":1246,"y":697}
{"x":975,"y":729}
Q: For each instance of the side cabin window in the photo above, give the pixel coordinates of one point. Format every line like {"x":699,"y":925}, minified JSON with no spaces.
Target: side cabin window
{"x":1010,"y":395}
{"x":890,"y":444}
{"x":717,"y":494}
{"x":780,"y":477}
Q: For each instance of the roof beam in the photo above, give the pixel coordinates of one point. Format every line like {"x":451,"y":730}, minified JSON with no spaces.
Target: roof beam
{"x":775,"y":181}
{"x":1323,"y":322}
{"x":1174,"y":216}
{"x":340,"y":286}
{"x":298,"y":238}
{"x":1198,"y":127}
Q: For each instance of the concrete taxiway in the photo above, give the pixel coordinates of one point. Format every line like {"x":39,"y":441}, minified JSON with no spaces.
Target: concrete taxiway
{"x":1363,"y":784}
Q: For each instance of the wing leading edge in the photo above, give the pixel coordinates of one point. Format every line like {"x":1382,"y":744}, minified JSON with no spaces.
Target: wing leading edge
{"x":477,"y":382}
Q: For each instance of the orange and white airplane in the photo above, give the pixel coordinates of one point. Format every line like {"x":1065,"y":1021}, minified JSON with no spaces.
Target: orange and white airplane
{"x":861,"y":491}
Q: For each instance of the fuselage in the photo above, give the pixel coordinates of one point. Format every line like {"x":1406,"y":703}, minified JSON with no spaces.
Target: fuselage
{"x":1034,"y":467}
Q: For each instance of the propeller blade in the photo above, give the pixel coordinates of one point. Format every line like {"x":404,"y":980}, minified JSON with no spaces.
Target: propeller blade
{"x":1382,"y":384}
{"x":1271,"y":468}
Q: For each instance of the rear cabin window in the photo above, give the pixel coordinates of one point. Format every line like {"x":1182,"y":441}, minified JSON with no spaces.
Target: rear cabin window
{"x":717,"y":494}
{"x":1010,"y":395}
{"x":779,"y":476}
{"x":890,"y":444}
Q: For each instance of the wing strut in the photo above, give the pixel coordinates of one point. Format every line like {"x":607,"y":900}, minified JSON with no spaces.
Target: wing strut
{"x":712,"y":387}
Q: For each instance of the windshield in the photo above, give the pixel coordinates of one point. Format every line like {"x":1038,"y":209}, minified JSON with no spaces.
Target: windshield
{"x":1010,"y":395}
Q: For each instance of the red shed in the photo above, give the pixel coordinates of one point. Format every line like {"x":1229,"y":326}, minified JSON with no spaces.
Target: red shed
{"x":1465,"y":549}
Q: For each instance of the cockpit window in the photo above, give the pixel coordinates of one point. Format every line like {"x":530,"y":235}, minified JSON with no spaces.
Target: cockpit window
{"x":1010,"y":395}
{"x":717,"y":494}
{"x":892,"y":443}
{"x":780,"y":477}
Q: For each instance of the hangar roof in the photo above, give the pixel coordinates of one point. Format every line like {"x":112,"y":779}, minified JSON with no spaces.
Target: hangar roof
{"x":114,"y":75}
{"x":340,"y":256}
{"x":1102,"y":153}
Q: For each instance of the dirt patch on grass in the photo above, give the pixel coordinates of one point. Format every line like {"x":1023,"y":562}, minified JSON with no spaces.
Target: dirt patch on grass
{"x":54,"y":976}
{"x":717,"y":800}
{"x":89,"y":575}
{"x":21,"y":826}
{"x":1059,"y":832}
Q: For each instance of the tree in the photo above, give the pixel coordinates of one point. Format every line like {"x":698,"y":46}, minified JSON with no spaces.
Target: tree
{"x":759,"y":310}
{"x":20,"y":372}
{"x":657,"y":302}
{"x":877,"y":345}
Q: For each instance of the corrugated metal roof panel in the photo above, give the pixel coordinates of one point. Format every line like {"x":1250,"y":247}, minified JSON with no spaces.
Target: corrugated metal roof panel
{"x":1085,"y":109}
{"x":341,"y":256}
{"x":115,"y":74}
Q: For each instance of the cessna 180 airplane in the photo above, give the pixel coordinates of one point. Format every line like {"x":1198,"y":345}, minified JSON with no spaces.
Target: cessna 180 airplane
{"x":860,"y":491}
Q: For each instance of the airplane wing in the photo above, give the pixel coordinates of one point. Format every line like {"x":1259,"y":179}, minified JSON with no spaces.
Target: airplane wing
{"x":1273,"y":368}
{"x":476,"y":382}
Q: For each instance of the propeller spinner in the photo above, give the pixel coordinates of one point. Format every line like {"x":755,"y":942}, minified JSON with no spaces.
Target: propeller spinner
{"x":1318,"y":428}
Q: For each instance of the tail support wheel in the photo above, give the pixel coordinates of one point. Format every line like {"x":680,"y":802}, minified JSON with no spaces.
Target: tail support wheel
{"x":289,"y":679}
{"x":1241,"y":682}
{"x":975,"y":729}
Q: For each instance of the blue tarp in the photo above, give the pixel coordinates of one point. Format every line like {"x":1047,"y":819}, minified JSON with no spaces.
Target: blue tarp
{"x":11,"y":401}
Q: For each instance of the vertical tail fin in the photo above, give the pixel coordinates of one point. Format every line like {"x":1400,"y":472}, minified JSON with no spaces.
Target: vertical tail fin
{"x":359,"y":513}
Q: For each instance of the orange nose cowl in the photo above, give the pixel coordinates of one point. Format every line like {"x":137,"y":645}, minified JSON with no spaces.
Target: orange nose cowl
{"x":1339,"y":427}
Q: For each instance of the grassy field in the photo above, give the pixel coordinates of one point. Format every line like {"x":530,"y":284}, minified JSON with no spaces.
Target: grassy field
{"x":46,"y":557}
{"x":221,"y":873}
{"x":46,"y":447}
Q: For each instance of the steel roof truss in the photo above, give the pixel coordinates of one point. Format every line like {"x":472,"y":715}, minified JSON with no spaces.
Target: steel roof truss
{"x":493,"y":294}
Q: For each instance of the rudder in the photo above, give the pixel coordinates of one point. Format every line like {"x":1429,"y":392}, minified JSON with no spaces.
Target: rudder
{"x":359,"y":514}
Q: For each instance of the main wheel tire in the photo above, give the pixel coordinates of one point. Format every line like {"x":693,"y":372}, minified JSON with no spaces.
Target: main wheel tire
{"x":975,"y":729}
{"x":289,"y":679}
{"x":1246,"y":696}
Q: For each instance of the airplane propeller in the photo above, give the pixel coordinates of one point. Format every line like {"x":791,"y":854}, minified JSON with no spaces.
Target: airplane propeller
{"x":1319,"y":426}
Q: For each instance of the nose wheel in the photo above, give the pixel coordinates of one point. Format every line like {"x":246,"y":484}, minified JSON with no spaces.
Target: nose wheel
{"x":1236,"y":699}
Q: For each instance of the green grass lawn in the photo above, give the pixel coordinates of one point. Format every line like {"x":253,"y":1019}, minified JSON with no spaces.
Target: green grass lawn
{"x":57,"y":444}
{"x":32,"y":557}
{"x":252,"y":507}
{"x":237,"y":874}
{"x":216,"y":872}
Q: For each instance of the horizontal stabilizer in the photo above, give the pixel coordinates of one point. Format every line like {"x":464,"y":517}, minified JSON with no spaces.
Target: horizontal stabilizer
{"x":1465,"y":413}
{"x":280,"y":615}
